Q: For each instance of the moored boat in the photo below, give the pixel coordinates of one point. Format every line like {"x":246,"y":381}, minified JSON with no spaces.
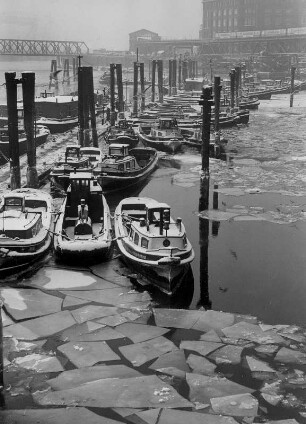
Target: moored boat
{"x":164,"y":135}
{"x":25,"y":229}
{"x":83,"y":229}
{"x":40,"y":135}
{"x":122,"y":133}
{"x":124,"y":167}
{"x":153,"y":243}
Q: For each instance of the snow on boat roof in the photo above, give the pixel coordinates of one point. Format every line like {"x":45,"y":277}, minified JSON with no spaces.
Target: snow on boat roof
{"x":56,"y":99}
{"x":118,"y":145}
{"x":150,"y":203}
{"x":80,"y":175}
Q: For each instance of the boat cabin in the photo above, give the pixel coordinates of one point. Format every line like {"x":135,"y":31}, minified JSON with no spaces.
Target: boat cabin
{"x":165,"y":127}
{"x":83,"y":187}
{"x":93,"y":154}
{"x":21,"y":217}
{"x":118,"y":150}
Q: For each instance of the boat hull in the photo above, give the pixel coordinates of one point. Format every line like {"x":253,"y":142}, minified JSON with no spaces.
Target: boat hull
{"x":58,"y":125}
{"x":168,"y":146}
{"x":87,"y":252}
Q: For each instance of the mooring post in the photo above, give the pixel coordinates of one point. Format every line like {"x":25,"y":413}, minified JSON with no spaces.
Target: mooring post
{"x":196,"y":68}
{"x":92,"y":108}
{"x":237,"y":83}
{"x":293,"y":69}
{"x":160,"y":74}
{"x":86,"y":105}
{"x":232,"y":80}
{"x":142,"y":87}
{"x":185,"y":72}
{"x":74,"y":68}
{"x":170,"y":76}
{"x":135,"y":90}
{"x":215,"y":224}
{"x":154,"y":63}
{"x":180,"y":72}
{"x":206,"y":103}
{"x":28,"y":93}
{"x":12,"y":113}
{"x":81,"y":105}
{"x":66,"y":76}
{"x":120,"y":87}
{"x":174,"y":77}
{"x":112,"y":68}
{"x":217,"y":96}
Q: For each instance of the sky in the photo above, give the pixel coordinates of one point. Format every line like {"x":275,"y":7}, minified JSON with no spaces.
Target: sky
{"x":100,"y":23}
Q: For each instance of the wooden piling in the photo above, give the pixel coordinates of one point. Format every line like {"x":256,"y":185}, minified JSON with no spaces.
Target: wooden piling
{"x":80,"y":106}
{"x":153,"y":77}
{"x":120,"y":87}
{"x":185,"y":71}
{"x":86,"y":105}
{"x":74,"y":68}
{"x":232,"y":82}
{"x":135,"y":90}
{"x":92,"y":108}
{"x":142,"y":87}
{"x":53,"y":75}
{"x":174,"y":76}
{"x":112,"y":68}
{"x":206,"y":103}
{"x":237,"y":83}
{"x":66,"y":76}
{"x":1,"y":354}
{"x":217,"y":96}
{"x":215,"y":225}
{"x":170,"y":76}
{"x":180,"y":73}
{"x":293,"y":69}
{"x":160,"y":74}
{"x":12,"y":113}
{"x":28,"y":93}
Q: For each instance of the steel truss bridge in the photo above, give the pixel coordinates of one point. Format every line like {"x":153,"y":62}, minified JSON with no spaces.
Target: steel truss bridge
{"x":42,"y":47}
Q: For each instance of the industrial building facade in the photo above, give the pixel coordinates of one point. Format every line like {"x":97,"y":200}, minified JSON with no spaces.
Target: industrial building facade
{"x":228,"y":16}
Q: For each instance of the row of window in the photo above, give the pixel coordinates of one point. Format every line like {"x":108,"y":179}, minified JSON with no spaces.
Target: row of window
{"x":128,"y":165}
{"x":135,"y":237}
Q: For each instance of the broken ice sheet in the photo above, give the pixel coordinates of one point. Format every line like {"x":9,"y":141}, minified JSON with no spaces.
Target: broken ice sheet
{"x":203,"y":388}
{"x":136,"y":392}
{"x":172,"y":416}
{"x":53,"y":416}
{"x":74,"y":301}
{"x":288,"y":356}
{"x":115,"y":296}
{"x":227,"y":355}
{"x":258,"y":367}
{"x":172,"y":359}
{"x":140,"y":332}
{"x":211,"y":336}
{"x":39,"y":363}
{"x":85,"y":354}
{"x":214,"y":320}
{"x":6,"y":320}
{"x":215,"y":215}
{"x":247,"y":331}
{"x":113,"y":320}
{"x":40,"y":327}
{"x":107,"y":271}
{"x":201,"y":365}
{"x":77,"y":377}
{"x":200,"y":346}
{"x":78,"y":330}
{"x":140,"y":353}
{"x":90,"y":312}
{"x":100,"y":334}
{"x":65,"y":279}
{"x":176,"y":318}
{"x":241,"y":405}
{"x":28,"y":303}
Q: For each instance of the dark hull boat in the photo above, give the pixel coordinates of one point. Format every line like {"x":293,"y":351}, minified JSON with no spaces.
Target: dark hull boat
{"x":123,"y":168}
{"x":153,"y":243}
{"x":41,"y":135}
{"x":164,"y":135}
{"x":123,"y":133}
{"x":25,"y":229}
{"x":58,"y":125}
{"x":83,"y":229}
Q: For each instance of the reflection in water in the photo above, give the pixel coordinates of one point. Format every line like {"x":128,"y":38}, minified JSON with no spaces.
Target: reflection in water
{"x":215,"y":224}
{"x":203,"y":241}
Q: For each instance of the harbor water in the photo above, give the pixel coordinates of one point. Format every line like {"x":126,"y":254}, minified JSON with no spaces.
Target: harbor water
{"x":250,"y":257}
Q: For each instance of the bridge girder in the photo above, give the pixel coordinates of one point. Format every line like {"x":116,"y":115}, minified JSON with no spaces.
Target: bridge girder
{"x":42,"y":47}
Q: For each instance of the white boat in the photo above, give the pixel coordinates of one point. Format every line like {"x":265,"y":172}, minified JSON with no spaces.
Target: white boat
{"x":25,"y":229}
{"x":93,"y":154}
{"x":83,"y":228}
{"x":152,"y":242}
{"x":164,"y":135}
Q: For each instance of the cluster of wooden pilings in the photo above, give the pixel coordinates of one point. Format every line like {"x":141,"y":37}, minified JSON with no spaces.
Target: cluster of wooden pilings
{"x":28,"y":90}
{"x":54,"y":72}
{"x":86,"y":107}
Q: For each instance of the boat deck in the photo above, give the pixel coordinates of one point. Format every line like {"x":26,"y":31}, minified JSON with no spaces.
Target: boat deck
{"x":96,"y":227}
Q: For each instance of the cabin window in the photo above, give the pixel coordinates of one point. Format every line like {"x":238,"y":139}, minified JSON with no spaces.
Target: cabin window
{"x":144,"y":243}
{"x":136,"y":238}
{"x":128,"y":165}
{"x":160,"y":133}
{"x":132,"y":234}
{"x":121,"y":167}
{"x":133,"y":164}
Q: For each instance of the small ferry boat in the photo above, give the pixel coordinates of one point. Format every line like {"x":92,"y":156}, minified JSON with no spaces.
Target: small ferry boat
{"x":124,"y":167}
{"x":152,"y":242}
{"x":25,"y":225}
{"x":41,"y":134}
{"x":72,"y":161}
{"x":123,"y":133}
{"x":83,"y":229}
{"x":58,"y":113}
{"x":164,"y":135}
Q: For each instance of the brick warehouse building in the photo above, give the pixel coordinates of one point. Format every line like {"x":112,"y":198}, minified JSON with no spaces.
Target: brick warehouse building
{"x":224,"y":16}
